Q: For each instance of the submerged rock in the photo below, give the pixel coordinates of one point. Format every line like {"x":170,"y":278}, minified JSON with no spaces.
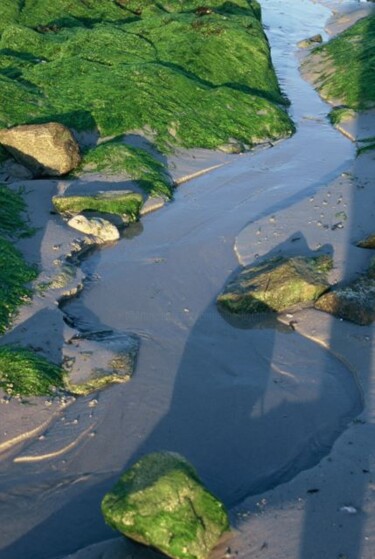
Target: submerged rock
{"x":161,"y":502}
{"x":96,"y":359}
{"x":354,"y":302}
{"x":45,"y":149}
{"x":124,"y":203}
{"x":368,"y":242}
{"x":105,"y":231}
{"x":277,"y":284}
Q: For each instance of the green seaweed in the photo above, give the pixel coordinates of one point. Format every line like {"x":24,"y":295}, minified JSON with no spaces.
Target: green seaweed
{"x":120,"y":203}
{"x":15,"y":273}
{"x":116,"y":157}
{"x":186,"y":79}
{"x":160,"y":501}
{"x":276,"y":284}
{"x":24,"y":373}
{"x":349,"y":60}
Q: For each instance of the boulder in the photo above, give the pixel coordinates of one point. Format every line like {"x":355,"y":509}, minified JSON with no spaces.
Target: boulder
{"x":354,"y":302}
{"x":105,"y":231}
{"x":368,"y":242}
{"x":46,"y":149}
{"x":277,"y":284}
{"x":161,"y":502}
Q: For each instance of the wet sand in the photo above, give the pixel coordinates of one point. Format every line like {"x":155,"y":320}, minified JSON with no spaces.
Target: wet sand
{"x":267,"y":414}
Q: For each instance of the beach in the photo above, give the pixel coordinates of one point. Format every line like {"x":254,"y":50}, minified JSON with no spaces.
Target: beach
{"x":276,"y":414}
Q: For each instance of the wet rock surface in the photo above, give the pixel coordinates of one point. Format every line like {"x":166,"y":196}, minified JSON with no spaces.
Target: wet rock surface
{"x":102,"y":229}
{"x":161,"y":502}
{"x":276,"y":284}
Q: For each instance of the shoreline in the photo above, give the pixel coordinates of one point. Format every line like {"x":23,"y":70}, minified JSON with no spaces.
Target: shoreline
{"x":261,"y":523}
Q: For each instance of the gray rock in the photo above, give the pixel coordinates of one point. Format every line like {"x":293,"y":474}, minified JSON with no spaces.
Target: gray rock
{"x":161,"y":502}
{"x":46,"y":149}
{"x":100,"y":228}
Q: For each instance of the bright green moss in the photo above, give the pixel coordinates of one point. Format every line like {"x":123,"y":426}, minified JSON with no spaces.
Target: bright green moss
{"x":14,"y":275}
{"x":25,"y":373}
{"x":161,"y":502}
{"x":195,"y":81}
{"x":14,"y":272}
{"x":116,"y":157}
{"x":120,"y":203}
{"x":349,"y":61}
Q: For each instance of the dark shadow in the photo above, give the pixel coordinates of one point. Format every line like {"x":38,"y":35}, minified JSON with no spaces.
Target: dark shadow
{"x":345,"y":535}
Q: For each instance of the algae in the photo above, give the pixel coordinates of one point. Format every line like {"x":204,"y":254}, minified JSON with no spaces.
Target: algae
{"x":193,"y":81}
{"x":347,"y":66}
{"x":24,"y":373}
{"x":15,"y":273}
{"x":116,"y":157}
{"x":124,"y":204}
{"x":160,"y":501}
{"x":276,"y":284}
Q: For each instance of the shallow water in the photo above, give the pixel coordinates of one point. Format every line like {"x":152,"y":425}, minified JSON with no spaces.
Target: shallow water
{"x":249,"y":406}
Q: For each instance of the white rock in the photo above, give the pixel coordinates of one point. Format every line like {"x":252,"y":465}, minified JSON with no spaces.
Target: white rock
{"x":100,"y":228}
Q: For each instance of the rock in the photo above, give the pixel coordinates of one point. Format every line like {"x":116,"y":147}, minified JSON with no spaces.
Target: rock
{"x":310,"y":42}
{"x":161,"y":502}
{"x":277,"y":284}
{"x":368,"y":242}
{"x":45,"y":149}
{"x":152,"y":204}
{"x":124,"y":203}
{"x":97,"y":359}
{"x":105,"y":231}
{"x":355,"y":302}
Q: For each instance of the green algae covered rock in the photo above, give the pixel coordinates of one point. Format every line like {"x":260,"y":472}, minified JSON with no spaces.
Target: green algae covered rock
{"x":188,"y":79}
{"x":342,"y":69}
{"x":276,"y":284}
{"x":122,"y":203}
{"x":354,"y":302}
{"x":161,"y":502}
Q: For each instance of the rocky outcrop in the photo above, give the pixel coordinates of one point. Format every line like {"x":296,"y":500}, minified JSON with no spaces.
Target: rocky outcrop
{"x":276,"y":284}
{"x":161,"y":502}
{"x":100,"y":228}
{"x":354,"y":302}
{"x":46,"y":149}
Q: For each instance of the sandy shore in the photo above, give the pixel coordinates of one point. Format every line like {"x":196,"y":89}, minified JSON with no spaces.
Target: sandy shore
{"x":326,"y":510}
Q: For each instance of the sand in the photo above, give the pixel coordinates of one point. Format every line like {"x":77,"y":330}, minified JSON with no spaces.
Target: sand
{"x":278,"y":422}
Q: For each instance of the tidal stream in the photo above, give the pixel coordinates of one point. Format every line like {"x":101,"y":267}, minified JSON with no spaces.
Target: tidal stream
{"x":249,"y":405}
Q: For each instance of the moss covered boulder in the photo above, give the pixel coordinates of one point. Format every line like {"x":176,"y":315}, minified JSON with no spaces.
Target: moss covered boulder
{"x":354,"y":302}
{"x":123,"y":203}
{"x":161,"y":502}
{"x":190,"y":79}
{"x":342,"y":70}
{"x":46,"y":149}
{"x":276,"y":284}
